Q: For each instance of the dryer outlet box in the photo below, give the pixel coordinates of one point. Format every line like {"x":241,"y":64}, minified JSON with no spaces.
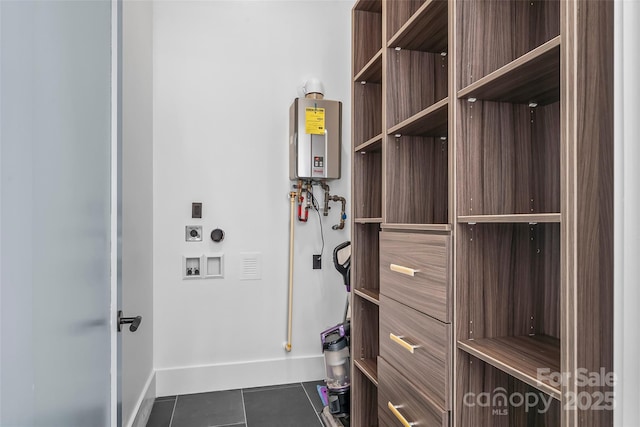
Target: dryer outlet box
{"x":193,"y":233}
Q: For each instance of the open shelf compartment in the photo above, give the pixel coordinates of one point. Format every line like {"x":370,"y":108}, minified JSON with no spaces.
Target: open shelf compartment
{"x":365,"y":257}
{"x":508,"y":158}
{"x":367,"y":184}
{"x":364,"y":338}
{"x":417,"y":180}
{"x":531,"y":359}
{"x":510,"y":28}
{"x":364,"y":396}
{"x":509,"y":298}
{"x":418,"y":25}
{"x":489,"y":397}
{"x":415,"y":82}
{"x":367,"y":123}
{"x":367,"y":33}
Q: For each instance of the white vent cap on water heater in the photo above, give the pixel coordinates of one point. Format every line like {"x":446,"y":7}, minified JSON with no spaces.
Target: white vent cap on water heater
{"x":313,"y":85}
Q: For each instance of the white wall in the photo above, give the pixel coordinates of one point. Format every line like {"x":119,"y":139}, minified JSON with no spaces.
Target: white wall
{"x":627,"y":206}
{"x":138,"y":387}
{"x":225,"y":74}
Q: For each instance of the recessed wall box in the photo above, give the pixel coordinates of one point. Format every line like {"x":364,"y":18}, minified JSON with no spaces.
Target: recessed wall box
{"x":193,"y":233}
{"x":214,"y":264}
{"x":192,"y":267}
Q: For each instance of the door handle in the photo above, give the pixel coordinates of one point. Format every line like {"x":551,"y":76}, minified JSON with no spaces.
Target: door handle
{"x":133,"y":321}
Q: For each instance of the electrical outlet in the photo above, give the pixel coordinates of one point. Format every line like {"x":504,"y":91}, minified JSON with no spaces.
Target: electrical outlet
{"x":317,"y":262}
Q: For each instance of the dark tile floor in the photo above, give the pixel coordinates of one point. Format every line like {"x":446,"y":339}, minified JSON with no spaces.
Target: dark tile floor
{"x":288,"y":405}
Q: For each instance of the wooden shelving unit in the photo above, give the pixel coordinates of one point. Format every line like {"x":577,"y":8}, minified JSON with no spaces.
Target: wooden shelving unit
{"x":367,"y":205}
{"x":482,"y":208}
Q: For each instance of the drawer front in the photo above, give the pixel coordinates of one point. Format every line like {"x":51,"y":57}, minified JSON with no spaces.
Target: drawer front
{"x":399,"y":403}
{"x":419,"y":347}
{"x":415,"y":270}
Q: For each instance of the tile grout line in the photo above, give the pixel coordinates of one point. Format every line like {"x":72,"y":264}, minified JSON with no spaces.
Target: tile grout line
{"x":312,"y":405}
{"x":173,"y":412}
{"x":244,"y":409}
{"x":271,"y":388}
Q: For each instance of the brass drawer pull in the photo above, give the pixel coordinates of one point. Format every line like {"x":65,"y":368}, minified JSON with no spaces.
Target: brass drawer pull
{"x":394,"y":410}
{"x":403,"y":270}
{"x":398,"y":339}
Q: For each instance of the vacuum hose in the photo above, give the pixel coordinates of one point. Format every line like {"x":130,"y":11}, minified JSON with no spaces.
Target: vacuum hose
{"x":292,"y":197}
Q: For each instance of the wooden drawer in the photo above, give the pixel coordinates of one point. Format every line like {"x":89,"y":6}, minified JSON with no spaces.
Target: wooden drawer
{"x":415,"y":407}
{"x":428,"y":363}
{"x":415,"y":270}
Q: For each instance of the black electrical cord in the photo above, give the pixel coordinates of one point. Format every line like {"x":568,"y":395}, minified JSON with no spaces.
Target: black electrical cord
{"x":316,"y":206}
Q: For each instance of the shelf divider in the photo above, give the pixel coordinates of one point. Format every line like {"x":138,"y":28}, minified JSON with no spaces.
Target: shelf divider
{"x":372,"y":71}
{"x":367,"y":220}
{"x":371,"y":295}
{"x":369,"y":367}
{"x":534,"y":77}
{"x":512,"y":218}
{"x":416,"y":227}
{"x":373,"y":144}
{"x":520,"y":357}
{"x":431,"y":121}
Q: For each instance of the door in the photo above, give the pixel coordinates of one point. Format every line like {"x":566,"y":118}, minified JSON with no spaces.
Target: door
{"x":56,"y":214}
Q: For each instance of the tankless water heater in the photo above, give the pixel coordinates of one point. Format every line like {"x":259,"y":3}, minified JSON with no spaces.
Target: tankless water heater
{"x":315,"y":139}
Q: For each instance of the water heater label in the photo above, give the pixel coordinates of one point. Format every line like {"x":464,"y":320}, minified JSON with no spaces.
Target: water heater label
{"x":314,"y":121}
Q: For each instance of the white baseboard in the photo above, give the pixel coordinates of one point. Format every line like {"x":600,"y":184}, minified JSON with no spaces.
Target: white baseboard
{"x":144,"y":405}
{"x":199,"y":379}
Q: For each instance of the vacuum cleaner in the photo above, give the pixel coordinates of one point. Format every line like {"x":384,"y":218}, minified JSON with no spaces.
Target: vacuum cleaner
{"x":336,"y":344}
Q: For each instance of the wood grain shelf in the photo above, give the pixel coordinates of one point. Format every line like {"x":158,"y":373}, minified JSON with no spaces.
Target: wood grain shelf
{"x":431,"y":121}
{"x":416,"y":227}
{"x":367,"y":220}
{"x":371,"y":295}
{"x":369,"y":5}
{"x":373,"y":144}
{"x":369,"y":367}
{"x":372,"y":71}
{"x":507,"y":219}
{"x":425,"y":31}
{"x":533,"y":77}
{"x":521,"y":357}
